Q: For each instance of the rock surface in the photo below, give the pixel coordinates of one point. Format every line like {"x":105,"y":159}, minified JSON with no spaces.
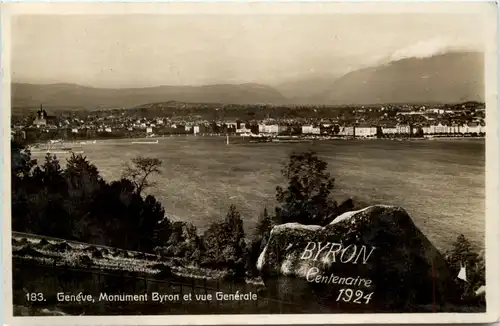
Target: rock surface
{"x":376,"y":250}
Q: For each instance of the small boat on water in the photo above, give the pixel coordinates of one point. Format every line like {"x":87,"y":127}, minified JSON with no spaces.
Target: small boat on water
{"x":88,"y":142}
{"x":65,"y":152}
{"x":261,"y":140}
{"x":57,"y":152}
{"x":291,"y":140}
{"x":146,"y":142}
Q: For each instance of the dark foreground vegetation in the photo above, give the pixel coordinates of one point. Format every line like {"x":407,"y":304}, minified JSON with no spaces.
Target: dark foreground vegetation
{"x":75,"y":203}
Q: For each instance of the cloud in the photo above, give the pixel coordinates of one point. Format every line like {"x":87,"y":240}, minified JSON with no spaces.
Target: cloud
{"x":432,"y":47}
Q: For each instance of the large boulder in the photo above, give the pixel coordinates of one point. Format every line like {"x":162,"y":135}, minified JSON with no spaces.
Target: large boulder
{"x":371,"y":260}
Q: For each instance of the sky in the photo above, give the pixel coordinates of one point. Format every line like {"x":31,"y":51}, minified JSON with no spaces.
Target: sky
{"x":150,"y":50}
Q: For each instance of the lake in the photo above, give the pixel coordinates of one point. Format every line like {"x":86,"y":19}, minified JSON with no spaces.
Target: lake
{"x":441,"y":183}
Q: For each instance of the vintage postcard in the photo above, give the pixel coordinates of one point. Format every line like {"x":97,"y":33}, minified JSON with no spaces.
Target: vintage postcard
{"x":250,"y":163}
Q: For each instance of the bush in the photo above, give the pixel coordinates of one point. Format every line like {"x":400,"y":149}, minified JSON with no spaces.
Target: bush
{"x":163,"y":270}
{"x":94,"y":252}
{"x":85,"y":261}
{"x":59,"y":247}
{"x":43,"y":242}
{"x":225,"y":246}
{"x":27,"y":250}
{"x":183,"y":242}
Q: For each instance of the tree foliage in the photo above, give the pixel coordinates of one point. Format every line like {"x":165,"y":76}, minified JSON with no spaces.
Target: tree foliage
{"x":306,"y":199}
{"x":182,"y":241}
{"x":258,"y":241}
{"x":462,"y":254}
{"x":140,"y":170}
{"x":224,"y":244}
{"x":76,"y":203}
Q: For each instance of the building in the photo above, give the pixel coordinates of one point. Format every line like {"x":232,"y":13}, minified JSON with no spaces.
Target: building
{"x":200,"y":129}
{"x":41,"y":118}
{"x":262,"y":128}
{"x":311,"y":130}
{"x":403,"y":129}
{"x":482,"y":127}
{"x":390,"y":129}
{"x":231,"y":125}
{"x":436,"y":111}
{"x":243,"y":130}
{"x":346,"y":131}
{"x":272,"y":129}
{"x":440,"y":128}
{"x":455,"y":129}
{"x":366,"y":131}
{"x":427,"y":130}
{"x":473,"y":128}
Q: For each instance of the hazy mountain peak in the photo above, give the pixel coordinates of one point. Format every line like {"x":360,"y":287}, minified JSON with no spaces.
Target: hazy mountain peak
{"x":454,"y":76}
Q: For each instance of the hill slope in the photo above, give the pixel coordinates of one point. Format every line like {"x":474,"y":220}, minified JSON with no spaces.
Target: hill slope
{"x":446,"y":78}
{"x":306,"y":86}
{"x":76,"y":96}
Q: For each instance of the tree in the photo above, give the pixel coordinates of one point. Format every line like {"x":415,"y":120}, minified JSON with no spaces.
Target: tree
{"x":461,"y":252}
{"x":49,"y":177}
{"x":182,"y":241}
{"x":225,"y":245}
{"x":461,"y":255}
{"x":264,"y":225}
{"x":142,"y":168}
{"x":306,"y":198}
{"x":419,"y":133}
{"x":21,"y":162}
{"x":380,"y":133}
{"x":82,"y":176}
{"x":258,"y":242}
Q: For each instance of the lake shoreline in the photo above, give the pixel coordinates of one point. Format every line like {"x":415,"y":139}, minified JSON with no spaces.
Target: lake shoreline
{"x":263,"y":139}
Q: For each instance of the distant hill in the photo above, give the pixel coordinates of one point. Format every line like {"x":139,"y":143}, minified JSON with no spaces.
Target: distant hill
{"x":301,"y":88}
{"x":76,"y":96}
{"x":448,"y":78}
{"x":453,"y":77}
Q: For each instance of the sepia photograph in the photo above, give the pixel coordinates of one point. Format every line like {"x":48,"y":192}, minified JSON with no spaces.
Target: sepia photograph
{"x":235,"y":160}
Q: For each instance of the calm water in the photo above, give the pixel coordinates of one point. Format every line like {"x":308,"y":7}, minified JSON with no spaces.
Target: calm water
{"x":440,"y":183}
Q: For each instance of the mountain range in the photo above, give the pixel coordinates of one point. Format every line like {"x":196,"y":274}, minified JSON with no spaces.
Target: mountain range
{"x":445,"y":78}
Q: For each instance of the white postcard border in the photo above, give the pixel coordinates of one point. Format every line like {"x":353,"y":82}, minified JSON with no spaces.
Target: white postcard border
{"x":492,"y":232}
